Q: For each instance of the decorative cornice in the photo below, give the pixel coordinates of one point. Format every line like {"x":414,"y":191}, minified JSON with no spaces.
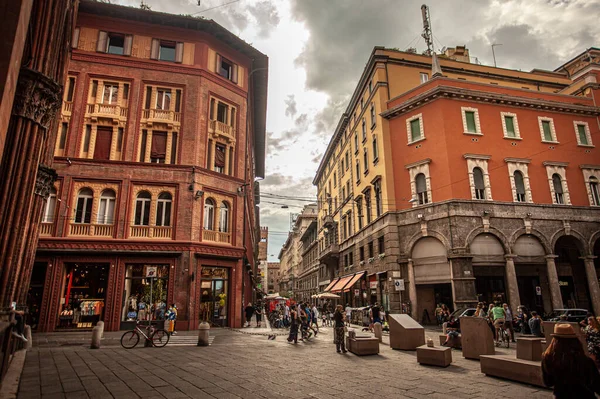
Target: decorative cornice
{"x":418,"y":163}
{"x":588,"y":166}
{"x":451,"y":92}
{"x":555,"y":163}
{"x":517,"y":160}
{"x":477,"y":156}
{"x":37,"y":97}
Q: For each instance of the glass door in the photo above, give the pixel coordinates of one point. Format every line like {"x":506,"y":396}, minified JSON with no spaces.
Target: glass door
{"x":214,"y":296}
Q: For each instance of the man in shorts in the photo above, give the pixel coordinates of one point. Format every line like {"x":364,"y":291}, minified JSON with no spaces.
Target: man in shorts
{"x":499,"y":316}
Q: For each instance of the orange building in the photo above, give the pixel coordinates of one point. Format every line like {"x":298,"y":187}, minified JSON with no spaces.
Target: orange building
{"x":490,"y":179}
{"x":161,"y":137}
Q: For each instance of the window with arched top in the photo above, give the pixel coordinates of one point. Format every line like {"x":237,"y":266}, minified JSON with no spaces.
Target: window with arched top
{"x":209,"y":214}
{"x":421,"y":186}
{"x":143,"y":202}
{"x":83,"y":210}
{"x":479,"y":183}
{"x":50,"y":207}
{"x":519,"y":186}
{"x":163,"y":209}
{"x":224,"y":217}
{"x":558,"y":189}
{"x":594,"y":191}
{"x":106,"y":209}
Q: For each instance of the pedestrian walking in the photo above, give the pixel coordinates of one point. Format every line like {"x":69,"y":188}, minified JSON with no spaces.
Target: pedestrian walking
{"x":535,"y":324}
{"x":567,"y":369}
{"x":315,"y":318}
{"x":249,"y":311}
{"x":348,"y":313}
{"x":508,"y":324}
{"x":258,"y":314}
{"x":293,"y":336}
{"x":523,"y":318}
{"x":171,"y":315}
{"x":338,"y":319}
{"x":592,"y":338}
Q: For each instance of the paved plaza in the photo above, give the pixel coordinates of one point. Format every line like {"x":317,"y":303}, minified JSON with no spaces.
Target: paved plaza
{"x":238,"y":365}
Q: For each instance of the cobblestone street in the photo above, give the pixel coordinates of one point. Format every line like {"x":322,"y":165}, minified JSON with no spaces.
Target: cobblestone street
{"x":238,"y":365}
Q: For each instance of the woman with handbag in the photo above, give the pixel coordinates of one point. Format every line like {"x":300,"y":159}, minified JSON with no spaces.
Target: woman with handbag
{"x":339,"y":325}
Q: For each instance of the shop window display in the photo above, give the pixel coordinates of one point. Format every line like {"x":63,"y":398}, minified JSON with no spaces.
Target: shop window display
{"x":214,"y":288}
{"x":83,"y":294}
{"x":141,"y":302}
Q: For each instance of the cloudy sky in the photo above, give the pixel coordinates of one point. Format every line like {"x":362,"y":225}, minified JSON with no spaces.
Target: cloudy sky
{"x":317,"y":50}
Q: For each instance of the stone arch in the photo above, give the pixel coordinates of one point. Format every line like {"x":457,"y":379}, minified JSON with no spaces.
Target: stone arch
{"x":594,"y":240}
{"x":430,"y":233}
{"x":534,"y":232}
{"x":491,"y":230}
{"x":579,"y":240}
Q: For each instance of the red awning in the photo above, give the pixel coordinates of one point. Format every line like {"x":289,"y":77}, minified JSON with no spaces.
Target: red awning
{"x":331,"y":285}
{"x":356,"y":277}
{"x":341,"y":283}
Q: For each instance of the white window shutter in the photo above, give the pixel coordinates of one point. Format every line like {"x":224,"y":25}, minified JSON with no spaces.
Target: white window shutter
{"x":234,"y":73}
{"x":155,"y":49}
{"x":102,"y":39}
{"x":179,"y":52}
{"x":218,"y":65}
{"x":128,"y":42}
{"x":75,"y":38}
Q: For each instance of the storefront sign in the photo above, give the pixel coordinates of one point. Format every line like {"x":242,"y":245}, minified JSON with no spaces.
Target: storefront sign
{"x":151,"y":271}
{"x":373,"y":284}
{"x":399,"y":285}
{"x":563,"y":283}
{"x":538,"y":290}
{"x":356,"y":292}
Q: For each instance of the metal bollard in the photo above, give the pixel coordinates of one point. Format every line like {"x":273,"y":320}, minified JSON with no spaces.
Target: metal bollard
{"x":203,"y":333}
{"x":27,"y":333}
{"x":96,"y":337}
{"x":101,"y":325}
{"x":378,"y":331}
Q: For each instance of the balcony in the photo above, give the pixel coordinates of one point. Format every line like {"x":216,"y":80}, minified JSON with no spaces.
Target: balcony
{"x":93,"y":230}
{"x":216,"y":236}
{"x":328,"y":221}
{"x":221,"y":129}
{"x":110,"y":111}
{"x":158,"y":232}
{"x":67,"y":108}
{"x":46,"y":229}
{"x":330,"y":251}
{"x":150,"y":116}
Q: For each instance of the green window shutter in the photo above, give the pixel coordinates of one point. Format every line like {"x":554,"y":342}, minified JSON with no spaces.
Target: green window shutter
{"x":415,"y":129}
{"x":470,"y":117}
{"x":510,"y":126}
{"x":547,"y":130}
{"x":582,"y":136}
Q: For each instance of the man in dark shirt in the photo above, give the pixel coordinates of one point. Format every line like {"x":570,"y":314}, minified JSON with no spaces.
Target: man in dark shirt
{"x":535,"y":324}
{"x":376,"y":313}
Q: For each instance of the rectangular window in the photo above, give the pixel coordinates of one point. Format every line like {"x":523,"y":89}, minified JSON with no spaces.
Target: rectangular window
{"x":166,"y":51}
{"x":103,"y":142}
{"x":158,"y":151}
{"x":470,"y":118}
{"x":582,"y":135}
{"x":359,"y":213}
{"x":142,"y":157}
{"x":177,"y":100}
{"x":63,"y":136}
{"x":372,"y":115}
{"x":116,"y":44}
{"x":119,"y":140}
{"x":111,"y":93}
{"x":86,"y":138}
{"x":361,"y":253}
{"x":220,"y":158}
{"x":71,"y":88}
{"x":347,"y":160}
{"x":222,"y":112}
{"x":174,"y":148}
{"x":381,"y":244}
{"x":364,"y":130}
{"x":509,"y":122}
{"x":227,"y":69}
{"x":424,"y":77}
{"x":547,"y":129}
{"x":163,"y":99}
{"x":126,"y":91}
{"x":370,"y":249}
{"x":415,"y":129}
{"x":148,"y":97}
{"x":351,"y":258}
{"x":94,"y":89}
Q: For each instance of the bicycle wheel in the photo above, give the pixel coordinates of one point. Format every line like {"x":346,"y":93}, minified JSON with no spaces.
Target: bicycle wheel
{"x":130,"y":339}
{"x":160,"y":338}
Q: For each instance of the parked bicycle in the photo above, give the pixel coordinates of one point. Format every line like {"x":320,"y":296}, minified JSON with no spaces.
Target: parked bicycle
{"x":503,"y":336}
{"x":158,"y":337}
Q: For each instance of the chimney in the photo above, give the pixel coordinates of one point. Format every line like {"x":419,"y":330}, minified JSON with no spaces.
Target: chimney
{"x":458,"y":53}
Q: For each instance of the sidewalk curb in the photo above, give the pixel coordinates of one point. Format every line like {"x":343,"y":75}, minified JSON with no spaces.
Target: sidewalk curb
{"x":10,"y":384}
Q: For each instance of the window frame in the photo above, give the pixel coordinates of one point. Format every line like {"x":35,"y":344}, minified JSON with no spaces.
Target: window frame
{"x":224,"y":215}
{"x":477,"y":122}
{"x":146,"y":207}
{"x":372,"y":113}
{"x":542,"y":119}
{"x":50,"y":206}
{"x":164,"y":206}
{"x":104,"y":198}
{"x":423,"y":77}
{"x":558,"y":168}
{"x":88,"y":202}
{"x":588,"y":136}
{"x":515,"y":121}
{"x":409,"y":121}
{"x":209,"y":214}
{"x":167,"y":44}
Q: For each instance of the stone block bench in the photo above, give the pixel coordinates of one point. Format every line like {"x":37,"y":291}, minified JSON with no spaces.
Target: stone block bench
{"x":455,"y":343}
{"x":510,"y":368}
{"x":434,"y":356}
{"x":529,"y":348}
{"x":362,"y":345}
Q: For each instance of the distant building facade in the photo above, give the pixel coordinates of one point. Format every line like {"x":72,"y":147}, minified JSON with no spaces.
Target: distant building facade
{"x":273,"y":277}
{"x":465,"y":182}
{"x":160,"y":140}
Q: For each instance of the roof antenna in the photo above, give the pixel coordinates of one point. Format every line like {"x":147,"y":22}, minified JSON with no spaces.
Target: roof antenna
{"x":427,"y":34}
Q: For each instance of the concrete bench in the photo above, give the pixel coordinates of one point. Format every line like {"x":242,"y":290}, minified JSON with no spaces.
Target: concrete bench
{"x":455,"y":342}
{"x":434,"y":356}
{"x":362,"y":346}
{"x":507,"y":367}
{"x":405,"y":333}
{"x":529,"y":348}
{"x":476,"y":337}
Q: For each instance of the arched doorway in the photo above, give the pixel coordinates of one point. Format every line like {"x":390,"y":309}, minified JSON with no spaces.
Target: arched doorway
{"x":571,"y":273}
{"x":532,"y":277}
{"x":432,"y":278}
{"x":489,"y":268}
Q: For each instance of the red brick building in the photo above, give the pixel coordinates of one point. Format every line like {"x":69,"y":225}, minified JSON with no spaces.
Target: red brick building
{"x":161,"y":137}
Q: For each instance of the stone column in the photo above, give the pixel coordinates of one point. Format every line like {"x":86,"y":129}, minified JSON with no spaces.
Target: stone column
{"x":24,"y":179}
{"x":555,"y":295}
{"x":226,"y":167}
{"x":592,"y":278}
{"x":412,"y":289}
{"x":511,"y":281}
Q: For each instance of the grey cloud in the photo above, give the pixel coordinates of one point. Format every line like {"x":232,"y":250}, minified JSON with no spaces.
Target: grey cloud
{"x":291,"y":108}
{"x":266,"y":17}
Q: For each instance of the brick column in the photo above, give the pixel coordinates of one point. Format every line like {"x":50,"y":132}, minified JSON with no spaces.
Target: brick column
{"x":511,"y":281}
{"x":555,"y":295}
{"x":24,"y":179}
{"x":592,"y":278}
